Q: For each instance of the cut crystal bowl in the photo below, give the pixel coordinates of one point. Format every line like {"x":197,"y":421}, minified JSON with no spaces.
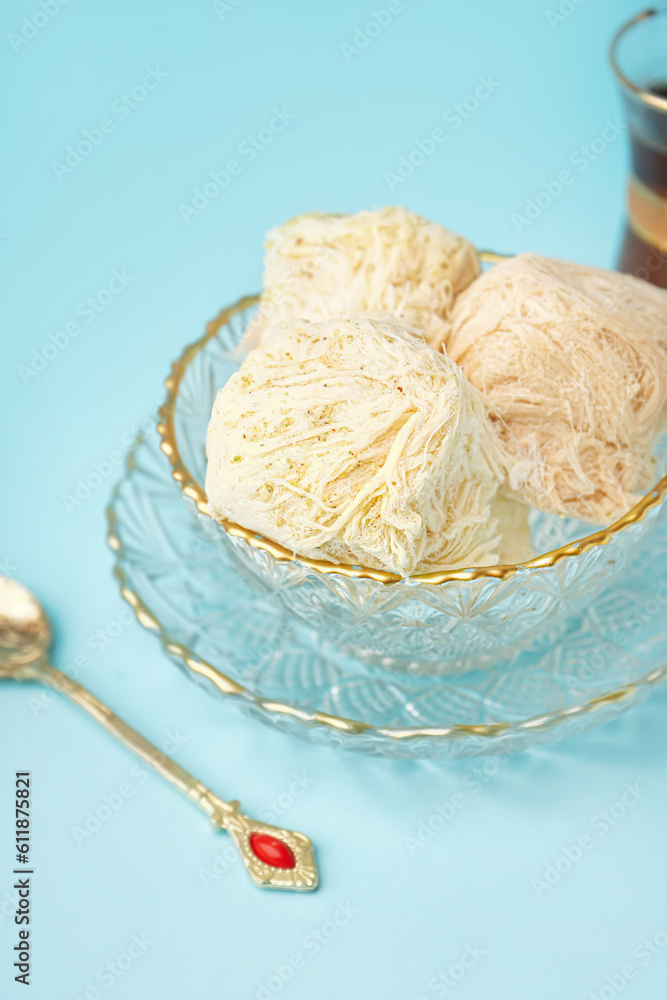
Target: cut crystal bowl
{"x":445,"y":622}
{"x":242,"y":646}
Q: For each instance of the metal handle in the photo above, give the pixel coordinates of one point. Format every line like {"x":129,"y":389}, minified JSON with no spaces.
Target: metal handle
{"x":281,"y":859}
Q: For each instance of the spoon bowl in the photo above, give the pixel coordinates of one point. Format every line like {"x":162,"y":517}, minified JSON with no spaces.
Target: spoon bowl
{"x":25,"y":633}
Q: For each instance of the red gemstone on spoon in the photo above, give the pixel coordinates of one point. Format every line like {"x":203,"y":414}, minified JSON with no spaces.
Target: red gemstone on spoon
{"x":271,"y":851}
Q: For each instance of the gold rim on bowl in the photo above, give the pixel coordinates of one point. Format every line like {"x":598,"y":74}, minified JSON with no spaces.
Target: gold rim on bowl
{"x":194,"y":491}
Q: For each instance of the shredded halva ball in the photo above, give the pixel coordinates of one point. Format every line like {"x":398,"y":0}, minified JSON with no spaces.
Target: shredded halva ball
{"x":353,"y":441}
{"x":572,"y":363}
{"x":384,"y":263}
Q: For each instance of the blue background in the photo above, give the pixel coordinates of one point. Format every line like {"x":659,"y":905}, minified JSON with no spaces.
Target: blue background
{"x":226,"y":70}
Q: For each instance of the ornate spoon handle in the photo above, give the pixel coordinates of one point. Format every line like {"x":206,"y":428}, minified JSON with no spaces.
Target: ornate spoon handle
{"x":274,"y":858}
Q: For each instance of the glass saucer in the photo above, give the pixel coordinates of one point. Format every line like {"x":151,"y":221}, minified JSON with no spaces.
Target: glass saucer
{"x":241,"y":643}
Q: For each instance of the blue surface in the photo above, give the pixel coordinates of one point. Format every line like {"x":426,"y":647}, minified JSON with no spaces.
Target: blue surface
{"x":412,"y":914}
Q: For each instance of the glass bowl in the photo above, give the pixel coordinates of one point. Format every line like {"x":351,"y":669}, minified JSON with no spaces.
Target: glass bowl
{"x":446,"y":622}
{"x":242,"y":646}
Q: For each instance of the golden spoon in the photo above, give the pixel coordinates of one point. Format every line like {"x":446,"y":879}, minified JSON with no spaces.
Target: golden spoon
{"x":274,"y":858}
